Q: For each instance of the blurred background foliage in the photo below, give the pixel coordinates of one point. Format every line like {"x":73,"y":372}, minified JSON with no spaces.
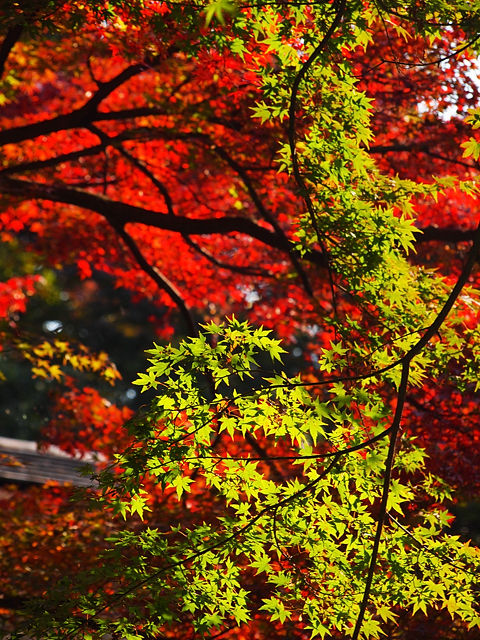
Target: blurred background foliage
{"x":91,"y":312}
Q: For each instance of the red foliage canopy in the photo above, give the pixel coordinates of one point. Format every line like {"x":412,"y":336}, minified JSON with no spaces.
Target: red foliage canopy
{"x":123,"y":154}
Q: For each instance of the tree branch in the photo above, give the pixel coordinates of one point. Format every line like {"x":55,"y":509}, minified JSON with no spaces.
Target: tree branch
{"x":449,"y":235}
{"x":423,"y":147}
{"x":260,"y":451}
{"x":79,"y":118}
{"x":141,"y":166}
{"x":395,"y":426}
{"x":121,"y":213}
{"x":52,"y":162}
{"x":291,"y":138}
{"x":10,"y":40}
{"x":263,"y":211}
{"x":159,"y":278}
{"x":118,"y":597}
{"x":14,"y":603}
{"x":246,"y":271}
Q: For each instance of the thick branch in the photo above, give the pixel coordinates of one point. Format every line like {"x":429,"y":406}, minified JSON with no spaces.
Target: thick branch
{"x":423,"y":147}
{"x":262,"y":210}
{"x":106,"y":141}
{"x":14,"y":603}
{"x":78,"y":118}
{"x":122,"y":213}
{"x":88,"y":113}
{"x":12,"y":37}
{"x":446,"y":234}
{"x":431,"y":233}
{"x":169,"y":203}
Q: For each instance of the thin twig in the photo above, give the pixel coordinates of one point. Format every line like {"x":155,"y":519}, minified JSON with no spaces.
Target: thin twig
{"x":291,"y":137}
{"x":266,"y":215}
{"x":215,"y":545}
{"x":159,"y":278}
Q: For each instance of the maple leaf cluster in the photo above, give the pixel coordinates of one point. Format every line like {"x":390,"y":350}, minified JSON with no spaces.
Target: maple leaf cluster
{"x":160,"y":145}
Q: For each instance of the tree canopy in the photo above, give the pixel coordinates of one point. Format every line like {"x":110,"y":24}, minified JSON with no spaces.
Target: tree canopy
{"x":288,"y":191}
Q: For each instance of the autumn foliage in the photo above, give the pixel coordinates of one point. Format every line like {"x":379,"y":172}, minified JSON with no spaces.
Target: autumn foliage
{"x":159,"y":145}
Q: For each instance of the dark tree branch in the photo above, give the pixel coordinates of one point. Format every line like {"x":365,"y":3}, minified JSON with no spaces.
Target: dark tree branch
{"x":10,"y":40}
{"x":438,"y":60}
{"x":169,"y":203}
{"x":106,"y":141}
{"x":423,"y":147}
{"x":242,"y":173}
{"x":79,"y":118}
{"x":395,"y":428}
{"x":87,"y":114}
{"x":446,"y":234}
{"x":141,"y":166}
{"x":451,"y":235}
{"x":159,"y":278}
{"x":127,"y":114}
{"x":91,"y":183}
{"x":138,"y":112}
{"x":142,"y":133}
{"x":13,"y":602}
{"x":247,"y":271}
{"x":438,"y":156}
{"x":260,"y":451}
{"x":388,"y":148}
{"x":52,"y":162}
{"x":396,"y":423}
{"x":263,"y":211}
{"x":124,"y":213}
{"x":121,"y":214}
{"x":90,"y":71}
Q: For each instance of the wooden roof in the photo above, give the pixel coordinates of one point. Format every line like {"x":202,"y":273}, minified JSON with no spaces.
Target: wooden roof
{"x":20,"y":461}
